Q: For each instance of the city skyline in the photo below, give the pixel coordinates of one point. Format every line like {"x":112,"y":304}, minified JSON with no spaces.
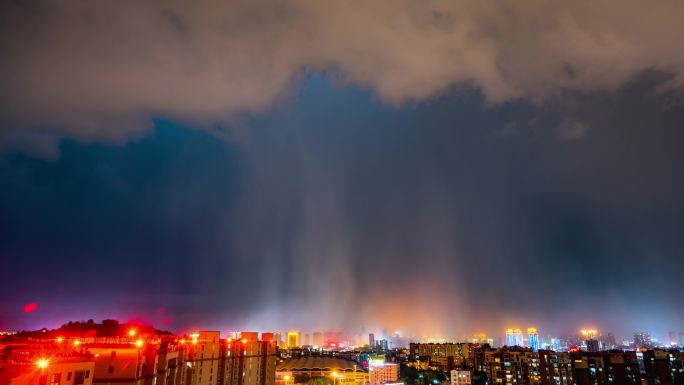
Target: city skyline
{"x":85,"y":353}
{"x":439,"y":169}
{"x":532,"y":337}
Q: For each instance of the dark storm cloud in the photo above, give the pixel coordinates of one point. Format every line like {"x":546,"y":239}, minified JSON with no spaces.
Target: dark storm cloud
{"x":489,"y":165}
{"x":338,"y":213}
{"x":98,"y":71}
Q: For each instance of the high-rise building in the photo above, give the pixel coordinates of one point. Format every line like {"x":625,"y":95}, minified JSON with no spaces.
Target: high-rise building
{"x":663,"y":367}
{"x":371,"y":340}
{"x":479,"y":338}
{"x":318,"y":339}
{"x":642,"y":340}
{"x":431,"y":350}
{"x":589,"y":334}
{"x":249,"y":362}
{"x":446,"y":356}
{"x":383,"y":344}
{"x":203,"y":358}
{"x":593,"y":345}
{"x":554,"y":368}
{"x":504,"y":366}
{"x":608,"y":341}
{"x":293,"y":339}
{"x":514,"y":337}
{"x":533,"y":338}
{"x":590,"y":368}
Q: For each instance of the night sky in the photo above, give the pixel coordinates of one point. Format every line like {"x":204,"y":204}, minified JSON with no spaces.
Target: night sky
{"x":438,"y":169}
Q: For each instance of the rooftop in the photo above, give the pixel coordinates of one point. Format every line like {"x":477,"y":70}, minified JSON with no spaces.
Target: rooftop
{"x":318,"y":363}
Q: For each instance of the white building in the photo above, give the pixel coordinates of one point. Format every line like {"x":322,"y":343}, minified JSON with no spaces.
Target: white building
{"x":461,"y":377}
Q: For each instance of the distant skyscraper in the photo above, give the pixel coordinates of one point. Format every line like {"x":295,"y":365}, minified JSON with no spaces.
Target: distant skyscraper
{"x":278,"y":338}
{"x":642,"y":339}
{"x":593,"y":345}
{"x":318,"y":339}
{"x":371,"y":340}
{"x":533,"y":338}
{"x":609,"y":341}
{"x":554,"y":344}
{"x":514,"y":337}
{"x":589,"y":334}
{"x":479,"y":338}
{"x":383,"y":344}
{"x":293,"y":339}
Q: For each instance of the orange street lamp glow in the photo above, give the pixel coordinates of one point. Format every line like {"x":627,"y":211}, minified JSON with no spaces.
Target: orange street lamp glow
{"x":194,"y":337}
{"x":131,"y":332}
{"x":139,"y":343}
{"x":287,"y":378}
{"x":42,"y":363}
{"x":77,"y":342}
{"x":244,"y":340}
{"x":60,"y":339}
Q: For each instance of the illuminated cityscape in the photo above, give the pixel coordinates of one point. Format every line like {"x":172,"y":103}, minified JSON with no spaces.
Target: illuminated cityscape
{"x":130,"y":353}
{"x":341,"y":192}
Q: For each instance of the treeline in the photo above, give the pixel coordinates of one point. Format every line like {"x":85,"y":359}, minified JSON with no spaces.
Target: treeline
{"x":90,"y":328}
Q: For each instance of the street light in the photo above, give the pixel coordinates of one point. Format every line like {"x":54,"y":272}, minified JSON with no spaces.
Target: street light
{"x":286,"y":378}
{"x":42,"y":363}
{"x":334,"y":376}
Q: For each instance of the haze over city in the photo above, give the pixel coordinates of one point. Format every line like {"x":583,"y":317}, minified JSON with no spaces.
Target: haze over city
{"x":438,"y":169}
